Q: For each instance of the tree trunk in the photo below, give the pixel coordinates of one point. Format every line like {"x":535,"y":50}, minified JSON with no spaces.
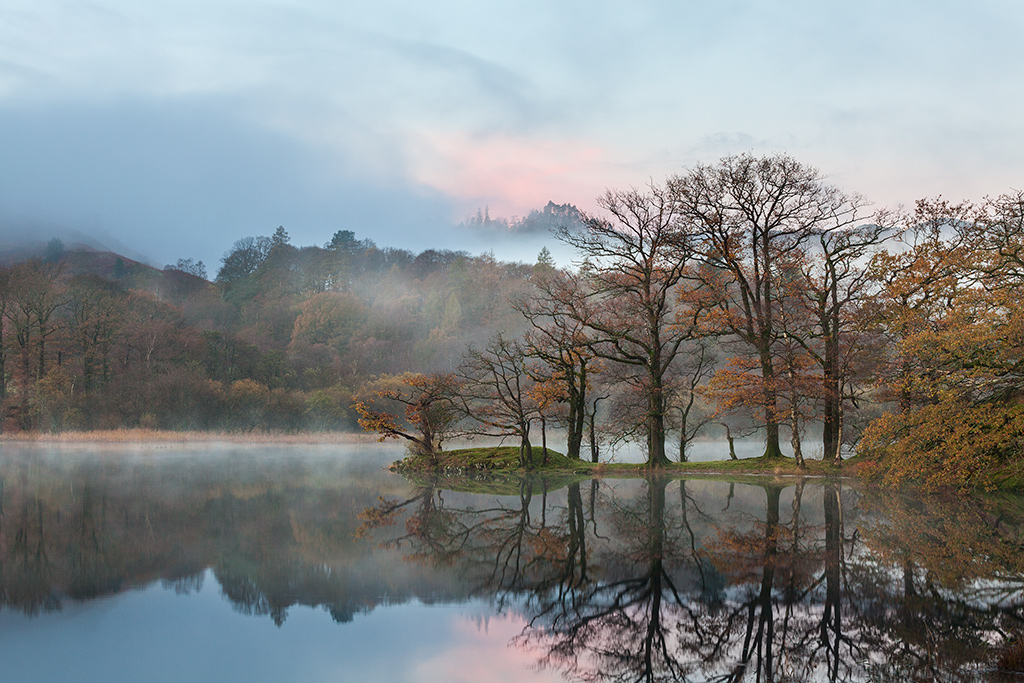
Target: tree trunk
{"x":832,"y":400}
{"x":574,"y":437}
{"x":525,"y":449}
{"x":544,"y":440}
{"x":682,"y":435}
{"x":593,"y":433}
{"x":656,"y":457}
{"x":593,"y":440}
{"x":577,"y":414}
{"x":837,"y":456}
{"x":794,"y":440}
{"x":771,"y":413}
{"x":732,"y":442}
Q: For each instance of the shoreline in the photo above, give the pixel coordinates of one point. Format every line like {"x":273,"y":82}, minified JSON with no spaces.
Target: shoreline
{"x":504,"y":460}
{"x":149,"y":436}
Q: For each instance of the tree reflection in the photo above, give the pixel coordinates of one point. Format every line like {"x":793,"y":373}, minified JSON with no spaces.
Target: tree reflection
{"x":614,"y":580}
{"x":958,"y":593}
{"x":504,"y":548}
{"x":677,"y":593}
{"x":624,"y":628}
{"x":272,"y":535}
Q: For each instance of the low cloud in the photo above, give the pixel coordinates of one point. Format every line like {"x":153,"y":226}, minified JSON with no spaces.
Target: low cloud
{"x":174,"y":180}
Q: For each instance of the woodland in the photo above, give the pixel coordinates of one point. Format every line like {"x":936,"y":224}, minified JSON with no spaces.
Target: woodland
{"x":748,"y":297}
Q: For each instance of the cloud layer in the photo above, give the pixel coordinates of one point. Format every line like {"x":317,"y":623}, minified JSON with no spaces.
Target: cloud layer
{"x":178,"y":127}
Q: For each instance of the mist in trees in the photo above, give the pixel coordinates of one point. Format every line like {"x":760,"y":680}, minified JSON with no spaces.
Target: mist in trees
{"x":284,"y":338}
{"x":749,"y":293}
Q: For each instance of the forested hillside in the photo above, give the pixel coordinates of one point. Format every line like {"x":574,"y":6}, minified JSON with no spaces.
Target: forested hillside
{"x":282,"y":338}
{"x":745,"y":297}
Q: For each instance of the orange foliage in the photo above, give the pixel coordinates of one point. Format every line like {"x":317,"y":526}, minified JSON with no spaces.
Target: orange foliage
{"x":948,"y":443}
{"x":957,"y":332}
{"x":428,"y":413}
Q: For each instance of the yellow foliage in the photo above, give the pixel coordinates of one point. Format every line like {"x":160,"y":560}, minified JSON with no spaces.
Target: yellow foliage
{"x":951,"y":443}
{"x":955,"y":319}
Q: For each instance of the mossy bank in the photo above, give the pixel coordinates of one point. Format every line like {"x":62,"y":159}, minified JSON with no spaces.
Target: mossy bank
{"x":505,"y":460}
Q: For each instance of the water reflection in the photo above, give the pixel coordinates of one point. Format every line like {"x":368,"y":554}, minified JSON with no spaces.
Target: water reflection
{"x":835,"y":586}
{"x":614,"y":580}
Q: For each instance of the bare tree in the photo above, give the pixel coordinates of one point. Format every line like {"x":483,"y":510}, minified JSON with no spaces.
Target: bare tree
{"x":632,"y":263}
{"x":693,"y":414}
{"x":496,"y":392}
{"x":748,"y":217}
{"x":6,"y":292}
{"x":35,"y":298}
{"x":95,"y":314}
{"x":836,"y":284}
{"x":562,"y":342}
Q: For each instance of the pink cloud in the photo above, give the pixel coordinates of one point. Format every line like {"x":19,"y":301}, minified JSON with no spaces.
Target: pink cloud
{"x":482,"y":652}
{"x":512,"y":175}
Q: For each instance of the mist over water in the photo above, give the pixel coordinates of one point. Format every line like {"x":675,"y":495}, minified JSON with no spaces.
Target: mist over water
{"x":305,"y":562}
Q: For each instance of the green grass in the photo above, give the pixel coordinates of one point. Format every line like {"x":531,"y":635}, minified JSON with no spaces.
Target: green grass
{"x":762,"y":465}
{"x":1007,"y":477}
{"x":505,"y":460}
{"x":494,"y":470}
{"x":497,"y":483}
{"x":492,"y":459}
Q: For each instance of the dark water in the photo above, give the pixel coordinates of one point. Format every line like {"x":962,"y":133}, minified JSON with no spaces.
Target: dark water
{"x":288,"y":564}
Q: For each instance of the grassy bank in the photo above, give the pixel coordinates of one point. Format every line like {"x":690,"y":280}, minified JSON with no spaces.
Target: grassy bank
{"x":493,"y":459}
{"x":505,"y":460}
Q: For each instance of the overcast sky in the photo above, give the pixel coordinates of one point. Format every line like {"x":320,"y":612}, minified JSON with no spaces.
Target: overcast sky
{"x":171,"y":129}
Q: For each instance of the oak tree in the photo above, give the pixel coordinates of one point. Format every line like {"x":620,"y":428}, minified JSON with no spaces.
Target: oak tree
{"x":632,"y":263}
{"x":747,"y":217}
{"x":418,"y":408}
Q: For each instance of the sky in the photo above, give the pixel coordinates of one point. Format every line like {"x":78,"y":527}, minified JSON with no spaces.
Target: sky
{"x":168,"y":130}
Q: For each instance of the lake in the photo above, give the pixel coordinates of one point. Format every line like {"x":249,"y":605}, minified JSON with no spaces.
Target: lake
{"x":314,"y":563}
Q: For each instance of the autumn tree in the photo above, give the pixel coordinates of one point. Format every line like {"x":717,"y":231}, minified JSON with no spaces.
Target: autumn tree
{"x":427,"y":405}
{"x":998,"y":231}
{"x":950,"y":307}
{"x":917,"y":284}
{"x":497,"y":391}
{"x":562,"y":342}
{"x":835,"y":286}
{"x":95,"y":313}
{"x":326,"y":325}
{"x":632,"y":262}
{"x":747,"y":217}
{"x":247,"y":400}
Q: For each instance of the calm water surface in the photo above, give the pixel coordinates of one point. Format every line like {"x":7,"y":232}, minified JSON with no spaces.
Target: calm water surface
{"x":315,"y":564}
